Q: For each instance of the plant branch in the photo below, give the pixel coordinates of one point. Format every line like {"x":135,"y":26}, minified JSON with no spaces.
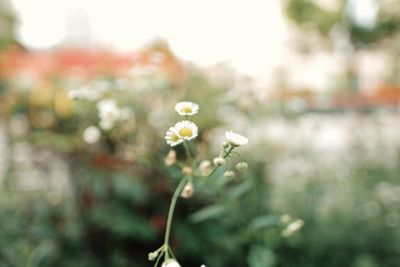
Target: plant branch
{"x":171,"y":212}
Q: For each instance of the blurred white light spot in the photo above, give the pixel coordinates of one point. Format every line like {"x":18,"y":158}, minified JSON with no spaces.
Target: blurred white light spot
{"x":364,"y":12}
{"x":42,"y":22}
{"x":247,"y":34}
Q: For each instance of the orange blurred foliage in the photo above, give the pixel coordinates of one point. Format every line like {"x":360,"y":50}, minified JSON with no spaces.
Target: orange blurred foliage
{"x":88,"y":63}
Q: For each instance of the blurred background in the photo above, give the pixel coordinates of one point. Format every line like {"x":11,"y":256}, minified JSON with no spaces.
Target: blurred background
{"x":314,"y":84}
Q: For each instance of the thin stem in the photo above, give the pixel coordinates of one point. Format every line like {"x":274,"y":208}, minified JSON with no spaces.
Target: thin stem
{"x":227,"y":153}
{"x":172,"y":253}
{"x":187,"y":150}
{"x":158,"y":259}
{"x":171,"y":212}
{"x":213,"y":171}
{"x":238,"y":155}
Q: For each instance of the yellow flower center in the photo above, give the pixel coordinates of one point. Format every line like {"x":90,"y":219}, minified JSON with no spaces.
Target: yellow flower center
{"x":187,"y":110}
{"x":174,"y":137}
{"x":186,"y":132}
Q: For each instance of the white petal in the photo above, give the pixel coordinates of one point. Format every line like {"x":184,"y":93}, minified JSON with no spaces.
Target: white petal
{"x":236,"y":139}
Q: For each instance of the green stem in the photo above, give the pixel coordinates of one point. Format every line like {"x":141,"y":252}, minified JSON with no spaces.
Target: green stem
{"x":158,"y":259}
{"x":171,"y":213}
{"x":213,"y":171}
{"x":227,"y":153}
{"x":172,"y":253}
{"x":187,"y":150}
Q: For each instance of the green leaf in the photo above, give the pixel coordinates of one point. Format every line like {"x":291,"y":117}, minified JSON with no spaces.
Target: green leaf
{"x":241,"y":189}
{"x":263,"y":221}
{"x":207,"y":213}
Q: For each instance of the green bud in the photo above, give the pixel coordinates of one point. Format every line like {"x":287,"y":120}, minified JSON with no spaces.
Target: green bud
{"x":225,"y":144}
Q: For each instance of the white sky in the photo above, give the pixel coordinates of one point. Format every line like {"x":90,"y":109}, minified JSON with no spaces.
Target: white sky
{"x":249,"y":34}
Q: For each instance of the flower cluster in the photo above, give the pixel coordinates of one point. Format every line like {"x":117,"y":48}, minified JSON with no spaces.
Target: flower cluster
{"x":102,"y":96}
{"x":184,"y":130}
{"x":110,"y":113}
{"x":181,"y":133}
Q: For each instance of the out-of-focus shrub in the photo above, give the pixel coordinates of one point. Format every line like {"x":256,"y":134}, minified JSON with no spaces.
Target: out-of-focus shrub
{"x":109,"y":131}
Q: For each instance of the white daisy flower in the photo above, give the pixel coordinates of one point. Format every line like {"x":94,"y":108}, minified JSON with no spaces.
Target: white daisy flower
{"x":182,"y":131}
{"x":91,"y":135}
{"x":172,"y":137}
{"x":236,"y":139}
{"x":170,"y":263}
{"x":186,"y":130}
{"x":186,"y":108}
{"x":108,"y":110}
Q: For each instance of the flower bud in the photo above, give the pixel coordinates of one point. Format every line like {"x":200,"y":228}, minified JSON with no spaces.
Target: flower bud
{"x":242,"y":166}
{"x":171,"y":158}
{"x":229,"y":174}
{"x":205,"y":167}
{"x":225,"y":144}
{"x":187,"y":171}
{"x":170,"y":263}
{"x":219,"y":161}
{"x":153,"y":255}
{"x":292,"y":228}
{"x":188,"y":190}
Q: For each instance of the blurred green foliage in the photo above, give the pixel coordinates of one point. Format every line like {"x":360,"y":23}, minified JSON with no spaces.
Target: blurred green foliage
{"x":115,"y":211}
{"x":7,"y":22}
{"x":313,"y":16}
{"x":309,"y":15}
{"x":350,"y":209}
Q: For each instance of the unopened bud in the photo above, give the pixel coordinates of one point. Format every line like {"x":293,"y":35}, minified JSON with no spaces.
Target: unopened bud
{"x":225,"y":144}
{"x":219,"y":161}
{"x":171,"y":158}
{"x":292,"y":228}
{"x":153,"y":255}
{"x":187,"y":171}
{"x":229,"y":174}
{"x":242,"y":166}
{"x":205,"y":167}
{"x":170,"y":263}
{"x":188,"y":190}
